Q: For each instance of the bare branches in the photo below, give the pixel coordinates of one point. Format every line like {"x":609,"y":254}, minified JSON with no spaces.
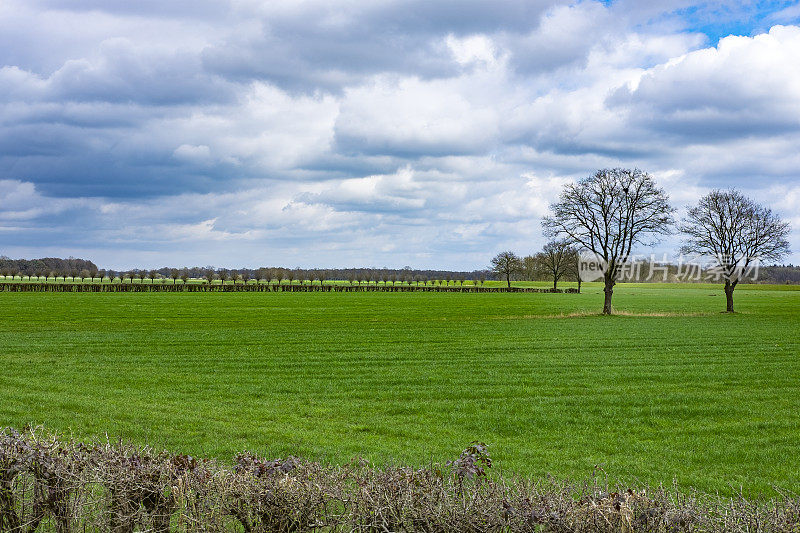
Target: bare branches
{"x":735,"y":231}
{"x":507,"y":264}
{"x":555,"y":259}
{"x":609,"y":213}
{"x":48,"y":484}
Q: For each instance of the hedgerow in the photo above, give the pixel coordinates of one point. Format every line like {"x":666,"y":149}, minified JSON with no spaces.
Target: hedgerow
{"x":50,"y":484}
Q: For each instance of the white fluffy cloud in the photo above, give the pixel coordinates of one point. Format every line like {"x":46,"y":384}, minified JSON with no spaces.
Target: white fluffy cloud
{"x":383,"y":133}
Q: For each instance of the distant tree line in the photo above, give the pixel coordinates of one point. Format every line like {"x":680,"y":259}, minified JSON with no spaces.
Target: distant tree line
{"x":80,"y":270}
{"x":45,"y":265}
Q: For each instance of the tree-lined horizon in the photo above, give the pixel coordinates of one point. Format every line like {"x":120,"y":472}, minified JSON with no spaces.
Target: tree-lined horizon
{"x":608,"y":213}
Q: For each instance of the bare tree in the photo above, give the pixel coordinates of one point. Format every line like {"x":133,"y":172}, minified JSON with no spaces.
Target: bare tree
{"x":175,"y":274}
{"x":280,"y":275}
{"x":185,"y":275}
{"x":609,"y":213}
{"x":736,"y":231}
{"x":506,"y":264}
{"x":574,"y":266}
{"x":554,"y":259}
{"x":530,"y":267}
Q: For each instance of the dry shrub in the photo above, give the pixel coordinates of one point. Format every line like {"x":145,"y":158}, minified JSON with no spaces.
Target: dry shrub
{"x":48,"y":484}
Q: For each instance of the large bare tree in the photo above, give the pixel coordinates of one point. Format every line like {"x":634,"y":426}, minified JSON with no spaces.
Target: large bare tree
{"x":506,"y":264}
{"x":736,"y":232}
{"x":554,"y":259}
{"x":609,"y":213}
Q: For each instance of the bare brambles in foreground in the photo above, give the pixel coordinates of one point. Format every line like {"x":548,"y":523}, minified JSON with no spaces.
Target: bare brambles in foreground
{"x":47,"y":484}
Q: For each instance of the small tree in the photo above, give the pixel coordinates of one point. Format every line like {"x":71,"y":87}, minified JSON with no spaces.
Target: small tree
{"x":530,"y":267}
{"x":222,"y":274}
{"x":185,"y":276}
{"x":209,"y":276}
{"x":609,"y":213}
{"x":174,"y":274}
{"x":554,"y":259}
{"x":574,"y":266}
{"x":506,"y":264}
{"x":736,"y":231}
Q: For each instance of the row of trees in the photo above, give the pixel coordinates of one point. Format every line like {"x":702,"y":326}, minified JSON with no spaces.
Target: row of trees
{"x":262,"y":275}
{"x":12,"y":268}
{"x":614,"y":210}
{"x":557,"y":260}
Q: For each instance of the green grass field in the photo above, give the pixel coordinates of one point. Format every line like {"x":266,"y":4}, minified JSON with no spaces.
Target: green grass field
{"x":709,"y":399}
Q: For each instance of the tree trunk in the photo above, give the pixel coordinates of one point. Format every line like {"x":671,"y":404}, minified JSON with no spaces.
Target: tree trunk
{"x":609,"y":292}
{"x":729,"y":296}
{"x":508,"y":280}
{"x":579,"y":284}
{"x":555,"y":283}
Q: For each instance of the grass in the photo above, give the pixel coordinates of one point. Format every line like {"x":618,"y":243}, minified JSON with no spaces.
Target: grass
{"x":708,"y":399}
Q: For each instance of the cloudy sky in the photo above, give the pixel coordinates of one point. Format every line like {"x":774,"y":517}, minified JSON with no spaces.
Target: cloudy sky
{"x":375,"y":132}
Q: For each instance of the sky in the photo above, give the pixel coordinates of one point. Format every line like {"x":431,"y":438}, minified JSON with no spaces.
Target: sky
{"x":244,"y":133}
